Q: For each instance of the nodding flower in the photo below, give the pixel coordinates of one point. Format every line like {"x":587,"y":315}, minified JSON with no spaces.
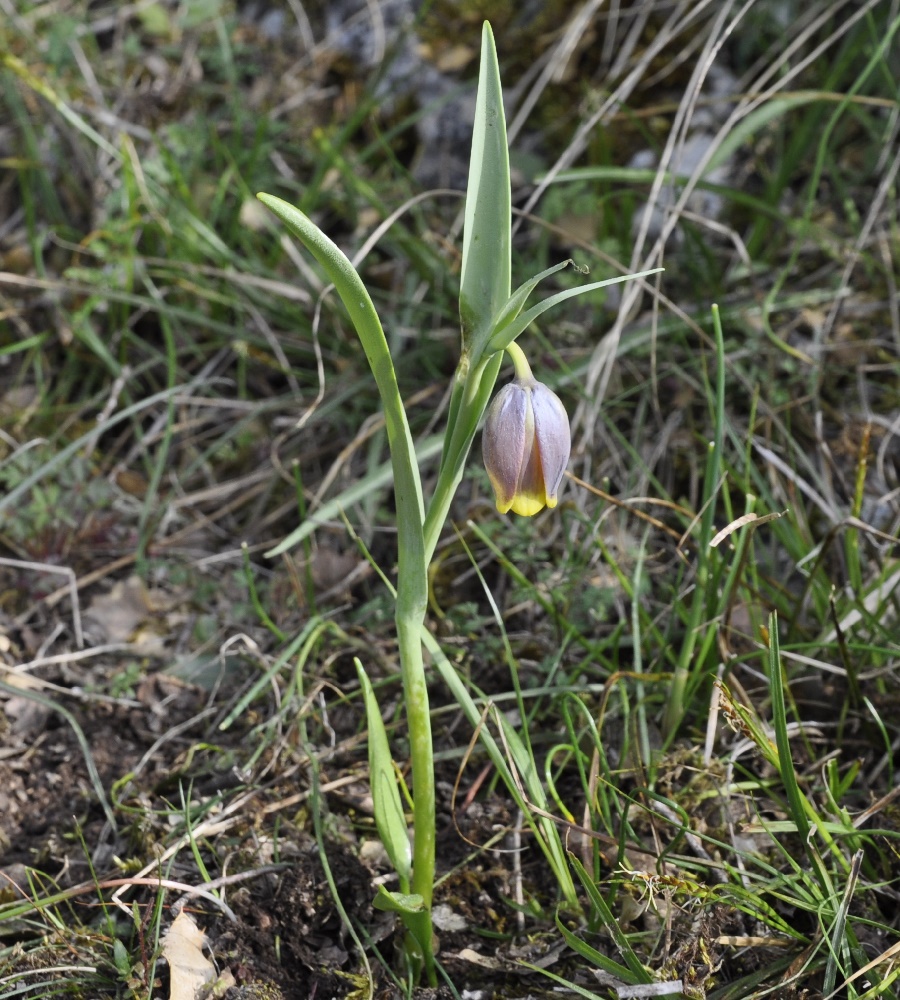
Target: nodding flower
{"x":525,"y":443}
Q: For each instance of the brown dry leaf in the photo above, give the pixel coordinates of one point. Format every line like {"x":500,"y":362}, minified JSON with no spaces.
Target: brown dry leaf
{"x":455,"y":58}
{"x":27,"y":717}
{"x":331,"y":566}
{"x":119,"y":612}
{"x":755,"y":519}
{"x":18,"y":259}
{"x":189,"y":968}
{"x":18,"y":400}
{"x":132,"y":483}
{"x":482,"y":961}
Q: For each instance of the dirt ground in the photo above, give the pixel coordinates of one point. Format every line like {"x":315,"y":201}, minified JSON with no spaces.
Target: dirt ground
{"x":279,"y":932}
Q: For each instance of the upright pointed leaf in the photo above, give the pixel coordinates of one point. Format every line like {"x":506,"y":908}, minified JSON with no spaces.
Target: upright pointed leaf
{"x":485,"y":281}
{"x":637,"y":970}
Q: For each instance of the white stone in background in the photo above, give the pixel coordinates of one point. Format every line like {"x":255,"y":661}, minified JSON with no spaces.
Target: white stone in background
{"x":684,"y":163}
{"x":272,"y":24}
{"x":444,"y":919}
{"x":711,"y":111}
{"x":268,"y":21}
{"x":363,"y":32}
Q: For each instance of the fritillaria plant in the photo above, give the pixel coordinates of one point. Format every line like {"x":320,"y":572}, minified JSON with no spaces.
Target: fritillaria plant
{"x":526,"y":447}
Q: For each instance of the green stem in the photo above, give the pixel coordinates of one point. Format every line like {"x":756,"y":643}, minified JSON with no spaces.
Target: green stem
{"x":520,"y":362}
{"x":410,"y":622}
{"x":472,"y":392}
{"x":412,"y":563}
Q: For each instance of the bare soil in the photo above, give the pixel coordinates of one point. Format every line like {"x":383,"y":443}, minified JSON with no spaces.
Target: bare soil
{"x":282,"y":934}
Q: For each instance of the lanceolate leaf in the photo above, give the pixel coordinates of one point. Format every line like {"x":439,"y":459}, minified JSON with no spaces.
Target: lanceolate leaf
{"x":398,"y":902}
{"x":517,"y":300}
{"x":386,"y":801}
{"x":506,"y":334}
{"x":485,"y":280}
{"x":358,"y":303}
{"x":637,"y":971}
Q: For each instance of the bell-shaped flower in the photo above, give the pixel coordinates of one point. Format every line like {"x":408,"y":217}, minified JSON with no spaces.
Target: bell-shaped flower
{"x":525,"y":443}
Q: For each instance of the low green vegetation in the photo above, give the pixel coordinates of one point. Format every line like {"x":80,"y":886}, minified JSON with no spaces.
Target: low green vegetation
{"x":664,"y":713}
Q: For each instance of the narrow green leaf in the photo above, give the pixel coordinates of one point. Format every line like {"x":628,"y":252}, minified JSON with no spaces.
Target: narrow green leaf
{"x":746,"y":986}
{"x":799,"y":807}
{"x":305,"y":642}
{"x":379,"y":478}
{"x":785,"y":761}
{"x":597,"y":958}
{"x":528,"y":794}
{"x":599,"y":903}
{"x":517,"y":300}
{"x":567,"y":985}
{"x":485,"y":278}
{"x":501,"y":338}
{"x":757,"y":120}
{"x":404,"y":903}
{"x":386,"y":802}
{"x":358,"y":303}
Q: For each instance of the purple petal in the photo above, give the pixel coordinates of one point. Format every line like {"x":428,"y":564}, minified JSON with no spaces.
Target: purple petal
{"x":554,"y":439}
{"x":503,"y":442}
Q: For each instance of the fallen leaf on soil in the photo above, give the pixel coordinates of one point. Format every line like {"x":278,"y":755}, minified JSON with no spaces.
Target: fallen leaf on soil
{"x":119,"y":614}
{"x":189,"y":968}
{"x":483,"y":961}
{"x":27,"y":717}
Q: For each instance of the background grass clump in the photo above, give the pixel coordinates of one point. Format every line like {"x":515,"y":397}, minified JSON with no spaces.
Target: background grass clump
{"x":714,"y":725}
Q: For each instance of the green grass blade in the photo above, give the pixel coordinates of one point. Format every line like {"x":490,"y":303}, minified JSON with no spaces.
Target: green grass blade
{"x":838,"y":935}
{"x":637,"y":974}
{"x":304,"y":643}
{"x":597,"y":958}
{"x":798,"y":806}
{"x":782,"y":741}
{"x":757,"y":120}
{"x":675,"y":709}
{"x":564,"y":984}
{"x":332,"y":509}
{"x":547,"y":838}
